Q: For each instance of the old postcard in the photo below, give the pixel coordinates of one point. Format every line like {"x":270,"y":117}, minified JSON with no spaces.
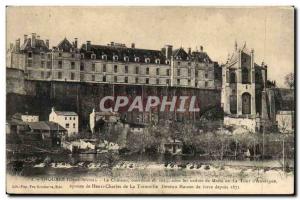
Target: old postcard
{"x":150,"y":100}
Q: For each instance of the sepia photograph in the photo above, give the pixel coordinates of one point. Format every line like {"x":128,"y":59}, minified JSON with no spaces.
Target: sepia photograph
{"x":141,"y":100}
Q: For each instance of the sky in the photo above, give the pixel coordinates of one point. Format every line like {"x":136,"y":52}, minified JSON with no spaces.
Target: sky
{"x":267,"y":30}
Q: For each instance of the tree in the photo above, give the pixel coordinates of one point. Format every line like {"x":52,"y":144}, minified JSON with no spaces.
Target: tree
{"x":289,"y":80}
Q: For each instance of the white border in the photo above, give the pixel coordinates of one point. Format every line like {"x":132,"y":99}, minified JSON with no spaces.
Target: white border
{"x":106,"y":3}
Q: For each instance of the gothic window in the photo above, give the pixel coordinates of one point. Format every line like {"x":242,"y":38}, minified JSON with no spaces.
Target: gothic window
{"x":245,"y":76}
{"x":232,"y":77}
{"x":246,"y":103}
{"x":233,"y":104}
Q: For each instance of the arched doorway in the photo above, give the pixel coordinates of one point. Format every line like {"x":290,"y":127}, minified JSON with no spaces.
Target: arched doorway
{"x":246,"y":103}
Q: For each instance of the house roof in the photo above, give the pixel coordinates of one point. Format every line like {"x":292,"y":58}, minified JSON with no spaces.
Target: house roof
{"x":66,"y":113}
{"x":40,"y":46}
{"x":45,"y":125}
{"x":122,"y":52}
{"x":65,"y":45}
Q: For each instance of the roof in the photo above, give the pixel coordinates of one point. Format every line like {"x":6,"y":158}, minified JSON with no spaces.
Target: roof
{"x":65,"y":45}
{"x":40,"y":46}
{"x":45,"y":125}
{"x":122,"y":52}
{"x":66,"y":113}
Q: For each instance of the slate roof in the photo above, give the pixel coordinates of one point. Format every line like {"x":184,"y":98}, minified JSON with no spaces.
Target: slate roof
{"x":66,"y":113}
{"x":65,"y":45}
{"x":40,"y":46}
{"x":122,"y":52}
{"x":45,"y":125}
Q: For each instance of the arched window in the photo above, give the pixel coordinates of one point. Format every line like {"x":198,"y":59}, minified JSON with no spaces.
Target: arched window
{"x":245,"y":76}
{"x":246,"y":103}
{"x":232,"y":78}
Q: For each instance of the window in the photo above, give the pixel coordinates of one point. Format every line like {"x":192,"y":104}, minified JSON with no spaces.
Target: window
{"x":29,"y":63}
{"x":93,"y":67}
{"x":168,"y":72}
{"x":49,"y":56}
{"x":70,"y":118}
{"x":178,"y":72}
{"x":178,"y":81}
{"x":93,"y":77}
{"x":42,"y":64}
{"x":126,"y":79}
{"x":126,"y":69}
{"x":147,"y":80}
{"x":74,"y":125}
{"x":157,"y":81}
{"x":29,"y":54}
{"x":196,"y":73}
{"x":136,"y":80}
{"x":72,"y":65}
{"x":206,"y":83}
{"x":126,"y":58}
{"x":157,"y":71}
{"x":157,"y":61}
{"x":147,"y":70}
{"x":116,"y":68}
{"x":73,"y":118}
{"x":93,"y":56}
{"x":59,"y":64}
{"x":49,"y":64}
{"x":59,"y":75}
{"x":104,"y":68}
{"x":115,"y":58}
{"x":73,"y":55}
{"x":206,"y":75}
{"x":59,"y":54}
{"x":245,"y":76}
{"x":196,"y":84}
{"x":82,"y":56}
{"x":42,"y":75}
{"x":48,"y":74}
{"x":189,"y":72}
{"x":189,"y":81}
{"x":137,"y":70}
{"x":66,"y":118}
{"x":104,"y":57}
{"x":115,"y":79}
{"x":42,"y":55}
{"x":81,"y":66}
{"x":104,"y":78}
{"x":67,"y":125}
{"x":168,"y":81}
{"x":189,"y":63}
{"x":178,"y":63}
{"x":167,"y":62}
{"x":72,"y":76}
{"x":147,"y":60}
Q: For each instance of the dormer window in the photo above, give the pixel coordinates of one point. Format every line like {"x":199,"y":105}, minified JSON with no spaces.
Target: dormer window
{"x":147,"y":60}
{"x":115,"y":58}
{"x":157,"y":61}
{"x":136,"y":59}
{"x":167,"y":62}
{"x":126,"y":59}
{"x":29,"y":54}
{"x":82,"y":56}
{"x":93,"y":56}
{"x":104,"y":57}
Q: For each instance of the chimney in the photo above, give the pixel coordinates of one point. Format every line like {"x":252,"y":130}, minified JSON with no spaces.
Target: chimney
{"x":33,"y":40}
{"x":201,"y":48}
{"x":38,"y":37}
{"x":75,"y":42}
{"x":25,"y":38}
{"x":189,"y":51}
{"x":132,"y":45}
{"x":18,"y":45}
{"x":88,"y":45}
{"x":47,"y":43}
{"x":168,"y":49}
